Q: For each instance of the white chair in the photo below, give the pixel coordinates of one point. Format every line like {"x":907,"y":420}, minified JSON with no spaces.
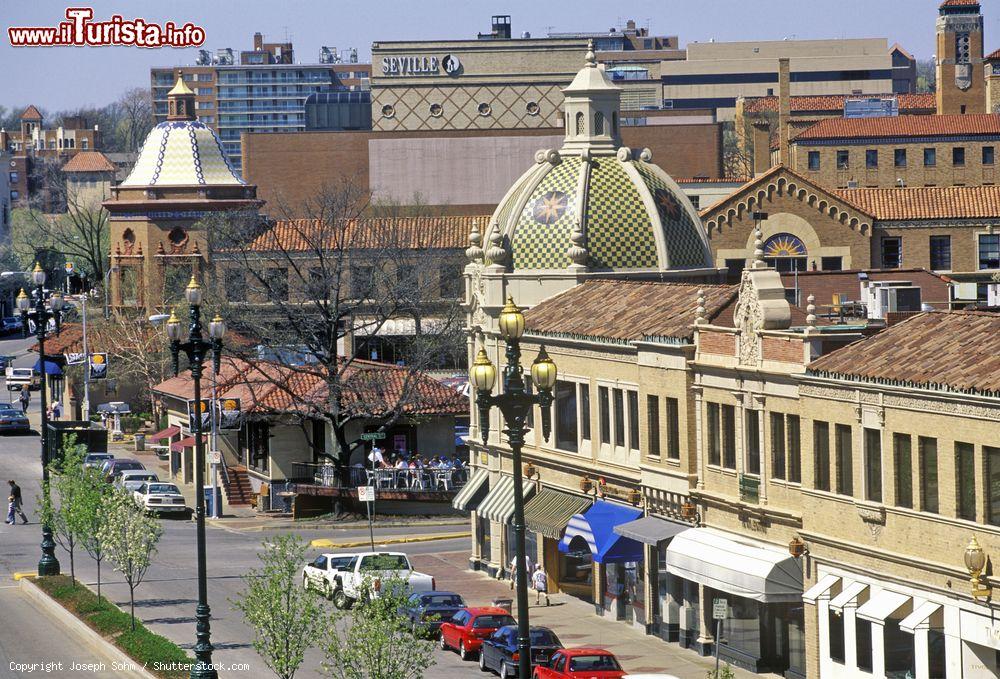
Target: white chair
{"x":442,"y":479}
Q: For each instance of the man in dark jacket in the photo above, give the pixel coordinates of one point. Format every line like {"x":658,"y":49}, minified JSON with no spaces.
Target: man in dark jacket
{"x":15,"y":492}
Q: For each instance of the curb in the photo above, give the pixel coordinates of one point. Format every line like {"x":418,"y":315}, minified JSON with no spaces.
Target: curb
{"x":83,"y":633}
{"x":330,"y":544}
{"x":225,"y":523}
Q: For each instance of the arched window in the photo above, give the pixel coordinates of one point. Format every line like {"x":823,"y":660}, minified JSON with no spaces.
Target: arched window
{"x":598,"y":123}
{"x":785,"y":252}
{"x":579,"y":123}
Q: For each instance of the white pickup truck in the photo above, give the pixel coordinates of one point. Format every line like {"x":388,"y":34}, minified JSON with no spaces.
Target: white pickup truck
{"x":345,"y":578}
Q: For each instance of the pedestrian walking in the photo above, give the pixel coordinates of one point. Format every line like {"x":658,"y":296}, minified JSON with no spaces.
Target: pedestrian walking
{"x":25,"y":398}
{"x":56,"y":409}
{"x":540,"y":581}
{"x":10,"y":510}
{"x":513,"y":569}
{"x":15,"y":492}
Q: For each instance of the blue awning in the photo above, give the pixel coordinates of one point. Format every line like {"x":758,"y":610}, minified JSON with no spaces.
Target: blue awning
{"x":51,"y":367}
{"x":597,"y":527}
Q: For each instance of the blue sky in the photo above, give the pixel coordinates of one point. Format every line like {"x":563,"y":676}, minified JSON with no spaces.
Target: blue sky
{"x":67,"y":77}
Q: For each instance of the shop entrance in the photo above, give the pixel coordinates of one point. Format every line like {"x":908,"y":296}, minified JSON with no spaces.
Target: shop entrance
{"x":576,"y":570}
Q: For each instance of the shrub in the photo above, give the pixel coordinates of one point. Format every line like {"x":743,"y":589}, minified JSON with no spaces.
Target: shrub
{"x":149,"y":648}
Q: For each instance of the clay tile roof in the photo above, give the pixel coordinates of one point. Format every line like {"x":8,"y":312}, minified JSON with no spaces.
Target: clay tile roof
{"x":902,"y":126}
{"x":89,"y":161}
{"x":406,"y":232}
{"x":834,"y":103}
{"x":68,"y":341}
{"x":993,"y":56}
{"x":31,"y":113}
{"x":926,"y":202}
{"x":927,"y":350}
{"x":626,"y":310}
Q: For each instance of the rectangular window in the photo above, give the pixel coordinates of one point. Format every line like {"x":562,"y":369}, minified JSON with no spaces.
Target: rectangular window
{"x":992,"y":456}
{"x":941,"y":253}
{"x":930,"y":157}
{"x":988,"y":155}
{"x":873,"y":465}
{"x":13,"y":177}
{"x":965,"y":480}
{"x":831,"y":263}
{"x":729,"y":437}
{"x":633,"y":420}
{"x":794,"y":449}
{"x":843,"y":160}
{"x":566,"y":425}
{"x":362,"y":281}
{"x":871,"y":159}
{"x":673,"y":429}
{"x":989,"y":251}
{"x":714,"y":449}
{"x":836,"y":637}
{"x":276,"y":283}
{"x":845,"y":462}
{"x":653,"y":425}
{"x":814,"y":161}
{"x":235,"y":283}
{"x":619,"y":415}
{"x":927,"y":449}
{"x":605,"y":414}
{"x":892,"y":252}
{"x":777,"y":445}
{"x":863,"y":642}
{"x":753,"y":441}
{"x":821,"y":455}
{"x":899,"y":157}
{"x":585,"y":412}
{"x":903,"y":471}
{"x":958,"y":156}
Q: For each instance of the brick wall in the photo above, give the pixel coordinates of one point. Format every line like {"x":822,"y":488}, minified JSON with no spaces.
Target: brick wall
{"x":784,"y":349}
{"x":712,"y":342}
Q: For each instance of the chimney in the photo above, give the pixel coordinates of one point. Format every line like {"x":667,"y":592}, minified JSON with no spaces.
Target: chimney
{"x":258,"y":41}
{"x":784,"y":111}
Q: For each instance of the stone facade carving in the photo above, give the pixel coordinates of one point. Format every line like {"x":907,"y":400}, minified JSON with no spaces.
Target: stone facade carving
{"x":761,"y":306}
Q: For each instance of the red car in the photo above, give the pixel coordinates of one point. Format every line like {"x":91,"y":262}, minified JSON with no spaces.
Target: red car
{"x":581,"y":663}
{"x":467,"y":629}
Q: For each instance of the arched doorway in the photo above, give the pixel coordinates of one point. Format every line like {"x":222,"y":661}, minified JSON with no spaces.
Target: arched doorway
{"x":785,"y":252}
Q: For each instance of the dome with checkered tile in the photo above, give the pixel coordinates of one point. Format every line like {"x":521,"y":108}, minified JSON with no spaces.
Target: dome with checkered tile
{"x":594,"y":204}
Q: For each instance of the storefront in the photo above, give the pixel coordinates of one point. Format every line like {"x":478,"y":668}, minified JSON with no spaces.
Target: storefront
{"x":468,"y":499}
{"x":545,"y":517}
{"x":494,"y":516}
{"x":762,"y":586}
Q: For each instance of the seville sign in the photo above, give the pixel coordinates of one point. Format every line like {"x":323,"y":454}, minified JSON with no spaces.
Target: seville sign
{"x":449,"y":64}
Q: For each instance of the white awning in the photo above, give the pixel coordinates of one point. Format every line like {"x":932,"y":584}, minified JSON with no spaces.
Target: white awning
{"x":918,"y":619}
{"x":735,"y":565}
{"x":824,"y":585}
{"x":848,"y":596}
{"x":881,"y":606}
{"x":367,"y":326}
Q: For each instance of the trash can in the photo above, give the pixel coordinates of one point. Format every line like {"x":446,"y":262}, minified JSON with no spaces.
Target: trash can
{"x":140,"y":442}
{"x":212,"y":500}
{"x":504,"y":603}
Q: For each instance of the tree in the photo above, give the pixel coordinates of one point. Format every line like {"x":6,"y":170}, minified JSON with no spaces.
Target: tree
{"x":926,"y":76}
{"x":135,"y":111}
{"x":94,"y":499}
{"x":129,"y":536}
{"x":67,"y":519}
{"x":287,"y":619}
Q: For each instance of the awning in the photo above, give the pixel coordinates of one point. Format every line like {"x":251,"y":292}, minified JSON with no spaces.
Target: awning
{"x":167,"y":433}
{"x":881,"y":606}
{"x":597,"y":527}
{"x":473,"y":492}
{"x":919,"y":618}
{"x":824,"y":585}
{"x":498,"y":505}
{"x":51,"y":367}
{"x":738,"y":566}
{"x":179,"y":446}
{"x":650,"y":530}
{"x":550,"y":510}
{"x":848,"y":596}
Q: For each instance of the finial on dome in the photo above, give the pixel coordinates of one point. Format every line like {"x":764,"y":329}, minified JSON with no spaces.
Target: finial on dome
{"x":496,"y":253}
{"x":590,"y":58}
{"x":810,"y":314}
{"x":577,"y":251}
{"x":475,"y":251}
{"x":758,"y":250}
{"x":700,"y":311}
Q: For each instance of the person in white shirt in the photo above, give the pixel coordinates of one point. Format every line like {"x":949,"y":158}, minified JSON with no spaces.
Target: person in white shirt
{"x":375,"y":457}
{"x":513,"y":568}
{"x":540,"y":582}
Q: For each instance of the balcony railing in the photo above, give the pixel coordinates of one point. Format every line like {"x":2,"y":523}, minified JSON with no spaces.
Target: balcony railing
{"x":428,"y":478}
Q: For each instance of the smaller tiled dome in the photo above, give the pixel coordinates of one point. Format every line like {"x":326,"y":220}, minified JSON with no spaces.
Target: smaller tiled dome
{"x":182,"y":153}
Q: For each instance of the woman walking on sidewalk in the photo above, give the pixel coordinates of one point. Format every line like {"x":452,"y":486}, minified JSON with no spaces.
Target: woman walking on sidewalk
{"x":540,"y":581}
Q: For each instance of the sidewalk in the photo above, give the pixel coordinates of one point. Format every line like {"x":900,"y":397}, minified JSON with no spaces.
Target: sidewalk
{"x":573,"y":621}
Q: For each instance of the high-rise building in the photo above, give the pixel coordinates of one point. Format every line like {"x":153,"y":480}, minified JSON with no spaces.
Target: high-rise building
{"x":263,"y":90}
{"x":961,"y":84}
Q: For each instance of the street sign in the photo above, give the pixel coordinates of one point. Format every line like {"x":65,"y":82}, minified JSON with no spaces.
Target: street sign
{"x":720,"y":609}
{"x":373,"y":436}
{"x":69,"y":268}
{"x":366,"y":493}
{"x":215,"y":457}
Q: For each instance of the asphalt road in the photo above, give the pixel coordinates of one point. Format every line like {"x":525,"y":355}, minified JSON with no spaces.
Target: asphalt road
{"x":166,"y":599}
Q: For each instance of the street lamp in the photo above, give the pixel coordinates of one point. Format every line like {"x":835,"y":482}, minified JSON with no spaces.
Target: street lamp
{"x":514,"y":404}
{"x":197,"y":348}
{"x":41,"y":315}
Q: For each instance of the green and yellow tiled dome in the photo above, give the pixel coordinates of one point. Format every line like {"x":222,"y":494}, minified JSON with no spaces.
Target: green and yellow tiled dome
{"x":182,"y":153}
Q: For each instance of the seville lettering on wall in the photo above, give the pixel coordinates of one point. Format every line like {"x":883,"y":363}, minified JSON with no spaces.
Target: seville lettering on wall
{"x":449,"y":64}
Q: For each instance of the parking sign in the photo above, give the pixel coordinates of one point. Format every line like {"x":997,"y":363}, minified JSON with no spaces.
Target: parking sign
{"x":366,"y":493}
{"x":720,"y":609}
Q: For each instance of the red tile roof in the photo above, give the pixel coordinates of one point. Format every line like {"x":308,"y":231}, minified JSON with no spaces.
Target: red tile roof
{"x":957,"y":351}
{"x":406,"y":232}
{"x":31,"y":113}
{"x":68,"y":341}
{"x":902,"y":126}
{"x":834,"y":103}
{"x":926,"y":202}
{"x":89,"y":161}
{"x":993,"y":56}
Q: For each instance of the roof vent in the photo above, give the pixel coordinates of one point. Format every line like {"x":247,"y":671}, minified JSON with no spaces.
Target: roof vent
{"x":852,"y":183}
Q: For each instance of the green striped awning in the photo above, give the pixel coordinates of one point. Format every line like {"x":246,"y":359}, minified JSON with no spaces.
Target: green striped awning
{"x":550,"y":510}
{"x":473,"y":492}
{"x":499,"y":503}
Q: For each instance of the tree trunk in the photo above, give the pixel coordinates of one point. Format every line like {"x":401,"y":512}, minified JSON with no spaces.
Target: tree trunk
{"x":131,"y":597}
{"x":72,"y":566}
{"x":98,"y":581}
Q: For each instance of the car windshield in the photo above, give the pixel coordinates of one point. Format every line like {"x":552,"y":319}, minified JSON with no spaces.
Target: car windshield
{"x":491,"y":621}
{"x":544,"y":637}
{"x":443,"y":600}
{"x":98,"y":457}
{"x":385,"y":562}
{"x":593,"y":662}
{"x":9,"y":412}
{"x":162,"y":488}
{"x":119,"y":466}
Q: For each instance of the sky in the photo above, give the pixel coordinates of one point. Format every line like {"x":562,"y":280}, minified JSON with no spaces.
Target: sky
{"x":60,"y":78}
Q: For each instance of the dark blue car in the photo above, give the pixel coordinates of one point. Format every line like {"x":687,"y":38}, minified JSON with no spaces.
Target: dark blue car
{"x":427,"y":610}
{"x":499,"y":652}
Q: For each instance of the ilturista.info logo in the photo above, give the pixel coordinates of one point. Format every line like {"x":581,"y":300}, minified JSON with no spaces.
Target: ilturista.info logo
{"x":80,"y":30}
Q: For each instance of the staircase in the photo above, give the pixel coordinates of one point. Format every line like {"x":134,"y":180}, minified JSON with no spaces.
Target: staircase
{"x":236,"y":485}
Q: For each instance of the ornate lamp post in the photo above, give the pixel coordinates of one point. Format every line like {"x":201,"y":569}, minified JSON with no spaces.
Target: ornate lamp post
{"x":197,"y":349}
{"x":41,"y":315}
{"x":515,"y":404}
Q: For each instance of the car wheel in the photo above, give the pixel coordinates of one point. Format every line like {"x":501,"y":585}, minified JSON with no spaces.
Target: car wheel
{"x":305,"y":583}
{"x":462,"y":653}
{"x":340,"y":600}
{"x":482,"y":662}
{"x":504,"y":674}
{"x":442,"y":642}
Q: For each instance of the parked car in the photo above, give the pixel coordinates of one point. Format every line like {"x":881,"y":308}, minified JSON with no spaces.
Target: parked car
{"x":366,"y":573}
{"x":581,"y":663}
{"x":427,"y":610}
{"x":96,"y":460}
{"x":10,"y":324}
{"x":131,"y":479}
{"x":12,"y":420}
{"x":162,"y":498}
{"x":324,"y":574}
{"x":499,"y":652}
{"x":112,"y":468}
{"x":467,"y":629}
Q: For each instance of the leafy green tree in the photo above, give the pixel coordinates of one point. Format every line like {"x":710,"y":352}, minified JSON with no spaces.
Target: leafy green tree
{"x":287,"y":619}
{"x":66,"y":519}
{"x":128,"y":537}
{"x":93,"y":498}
